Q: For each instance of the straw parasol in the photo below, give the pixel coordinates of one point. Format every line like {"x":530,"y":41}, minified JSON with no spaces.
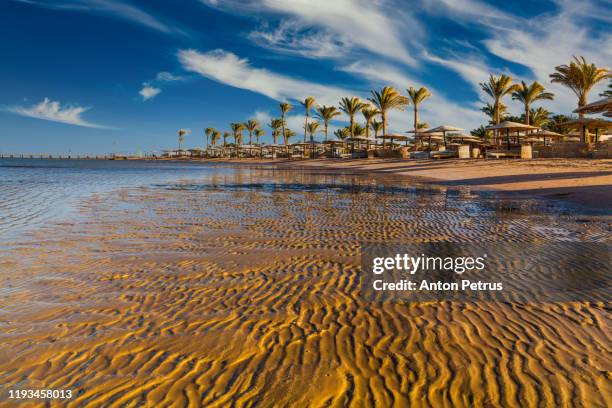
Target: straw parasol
{"x":395,"y":136}
{"x":547,"y":133}
{"x":587,"y":123}
{"x":601,"y":106}
{"x":444,"y":129}
{"x":511,"y":126}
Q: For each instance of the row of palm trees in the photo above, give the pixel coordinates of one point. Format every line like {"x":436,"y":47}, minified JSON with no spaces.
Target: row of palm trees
{"x":579,"y":76}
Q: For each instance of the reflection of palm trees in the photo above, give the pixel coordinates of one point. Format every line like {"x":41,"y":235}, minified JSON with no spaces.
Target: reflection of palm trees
{"x":307,"y":104}
{"x":326,"y":114}
{"x":386,"y":99}
{"x":351,"y":106}
{"x":527,"y":94}
{"x":580,"y":77}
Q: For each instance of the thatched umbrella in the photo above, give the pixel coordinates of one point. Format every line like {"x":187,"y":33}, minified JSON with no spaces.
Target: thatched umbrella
{"x":587,"y":123}
{"x":511,"y":126}
{"x":444,"y":129}
{"x":601,"y":106}
{"x":547,"y":133}
{"x":395,"y":137}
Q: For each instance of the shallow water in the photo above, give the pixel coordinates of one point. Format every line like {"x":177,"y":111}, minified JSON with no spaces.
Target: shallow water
{"x":220,"y":286}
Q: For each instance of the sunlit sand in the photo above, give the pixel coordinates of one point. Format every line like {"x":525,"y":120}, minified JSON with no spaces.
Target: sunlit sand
{"x":242,"y":290}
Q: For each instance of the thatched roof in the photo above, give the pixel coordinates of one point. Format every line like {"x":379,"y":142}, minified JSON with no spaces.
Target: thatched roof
{"x":444,"y":128}
{"x":507,"y":125}
{"x":601,"y":106}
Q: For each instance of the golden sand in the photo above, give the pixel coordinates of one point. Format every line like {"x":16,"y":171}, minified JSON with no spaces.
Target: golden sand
{"x":250,"y":297}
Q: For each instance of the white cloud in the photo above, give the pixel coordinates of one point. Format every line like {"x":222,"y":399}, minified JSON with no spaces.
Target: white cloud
{"x":227,"y":68}
{"x":545,"y":42}
{"x":167,"y":77}
{"x":148,"y":92}
{"x":53,"y":111}
{"x":376,"y":26}
{"x":114,"y":7}
{"x":291,"y":37}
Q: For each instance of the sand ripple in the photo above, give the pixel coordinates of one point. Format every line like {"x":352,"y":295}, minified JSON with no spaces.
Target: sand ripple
{"x":200,"y":295}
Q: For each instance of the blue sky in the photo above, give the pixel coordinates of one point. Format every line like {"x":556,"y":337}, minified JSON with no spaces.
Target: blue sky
{"x":95,"y":76}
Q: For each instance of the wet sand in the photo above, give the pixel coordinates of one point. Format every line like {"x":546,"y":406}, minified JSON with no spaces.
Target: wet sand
{"x":584,"y":181}
{"x":236,"y":292}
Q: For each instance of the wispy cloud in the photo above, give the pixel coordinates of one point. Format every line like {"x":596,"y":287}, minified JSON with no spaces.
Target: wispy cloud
{"x":291,"y":37}
{"x":115,"y":8}
{"x":379,"y":27}
{"x":227,"y":68}
{"x":53,"y":111}
{"x":148,"y":92}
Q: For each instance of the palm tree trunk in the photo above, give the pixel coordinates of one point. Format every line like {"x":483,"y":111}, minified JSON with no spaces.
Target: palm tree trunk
{"x":383,"y":114}
{"x":527,"y":114}
{"x":305,"y":126}
{"x":416,"y":120}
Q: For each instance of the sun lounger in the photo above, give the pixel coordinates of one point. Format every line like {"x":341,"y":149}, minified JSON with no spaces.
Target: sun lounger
{"x":498,"y":155}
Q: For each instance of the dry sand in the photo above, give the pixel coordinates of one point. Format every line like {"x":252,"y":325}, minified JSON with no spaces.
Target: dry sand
{"x":238,"y":298}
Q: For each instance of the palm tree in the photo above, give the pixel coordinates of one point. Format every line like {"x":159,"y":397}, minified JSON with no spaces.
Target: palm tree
{"x":376,"y":127}
{"x":215,"y":137}
{"x":607,"y":93}
{"x":527,"y":94}
{"x":369,"y":113}
{"x":284,"y":108}
{"x":275,"y":125}
{"x":580,"y":77}
{"x":497,"y":88}
{"x":208,"y":132}
{"x":386,"y":99}
{"x":288,"y":134}
{"x":312,"y":129}
{"x":480,"y":132}
{"x":251,"y":126}
{"x":539,"y":117}
{"x":417,"y":96}
{"x":258,"y":133}
{"x":489,"y":110}
{"x":342,"y":133}
{"x":181,"y":137}
{"x":351,"y":106}
{"x":307,"y":104}
{"x":326,"y":114}
{"x":237,"y":129}
{"x":225,"y":136}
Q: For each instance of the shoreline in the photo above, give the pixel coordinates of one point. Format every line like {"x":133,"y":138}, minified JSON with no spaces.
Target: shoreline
{"x":587,"y":183}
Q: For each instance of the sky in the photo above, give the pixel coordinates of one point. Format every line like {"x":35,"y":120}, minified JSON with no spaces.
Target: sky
{"x":101,"y":76}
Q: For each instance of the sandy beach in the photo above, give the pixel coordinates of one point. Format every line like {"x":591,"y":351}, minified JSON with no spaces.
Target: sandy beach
{"x":242,"y":290}
{"x":587,"y":182}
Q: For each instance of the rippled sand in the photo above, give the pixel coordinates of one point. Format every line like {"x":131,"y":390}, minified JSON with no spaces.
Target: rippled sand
{"x":239,"y":291}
